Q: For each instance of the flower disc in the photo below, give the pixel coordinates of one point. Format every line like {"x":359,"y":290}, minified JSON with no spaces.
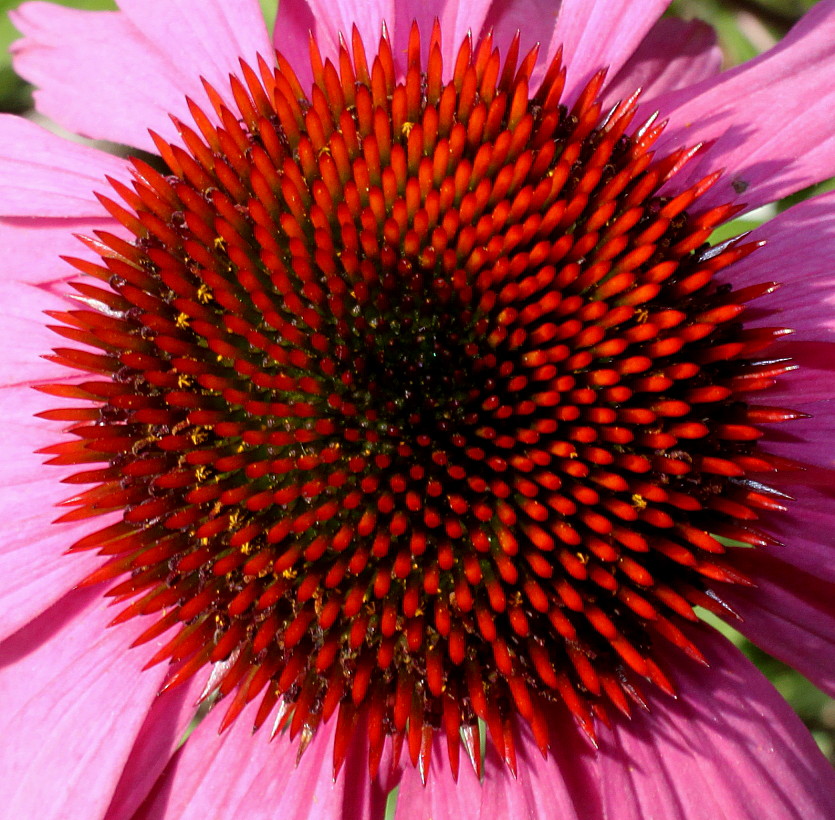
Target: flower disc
{"x":416,"y":400}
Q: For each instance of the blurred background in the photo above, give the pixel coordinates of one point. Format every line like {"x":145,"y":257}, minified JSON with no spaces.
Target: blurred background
{"x":745,"y":28}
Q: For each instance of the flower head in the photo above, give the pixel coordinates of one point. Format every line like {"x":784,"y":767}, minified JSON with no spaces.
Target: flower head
{"x":414,"y":400}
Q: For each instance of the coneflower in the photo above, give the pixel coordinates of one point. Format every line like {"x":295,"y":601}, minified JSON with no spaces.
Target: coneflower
{"x":418,"y":406}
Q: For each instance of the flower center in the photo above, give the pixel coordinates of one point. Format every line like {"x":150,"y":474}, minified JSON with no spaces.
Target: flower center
{"x":416,"y":401}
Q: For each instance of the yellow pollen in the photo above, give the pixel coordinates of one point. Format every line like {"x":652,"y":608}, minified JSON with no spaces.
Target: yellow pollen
{"x":137,"y":447}
{"x":198,"y":435}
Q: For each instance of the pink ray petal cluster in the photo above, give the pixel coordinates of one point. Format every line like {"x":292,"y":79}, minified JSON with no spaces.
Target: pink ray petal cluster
{"x":86,"y":733}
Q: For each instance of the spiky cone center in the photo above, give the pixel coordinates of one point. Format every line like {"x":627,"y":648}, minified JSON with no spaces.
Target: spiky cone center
{"x":416,"y":401}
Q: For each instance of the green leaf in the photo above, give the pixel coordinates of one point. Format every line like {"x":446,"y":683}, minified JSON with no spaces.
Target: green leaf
{"x":269,"y":7}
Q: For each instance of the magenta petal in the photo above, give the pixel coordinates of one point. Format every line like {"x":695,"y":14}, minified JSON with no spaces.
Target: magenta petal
{"x":729,"y":746}
{"x":297,"y":19}
{"x":789,"y":615}
{"x":441,"y":796}
{"x":806,"y":297}
{"x":805,"y":531}
{"x":806,"y":440}
{"x":73,"y":702}
{"x":598,"y":34}
{"x":27,"y":341}
{"x":251,"y":777}
{"x":44,"y":175}
{"x":156,"y":742}
{"x":674,"y":54}
{"x":813,"y":383}
{"x":770,"y":120}
{"x":804,"y":303}
{"x":565,"y":785}
{"x":47,"y":197}
{"x":535,"y":21}
{"x":293,"y":26}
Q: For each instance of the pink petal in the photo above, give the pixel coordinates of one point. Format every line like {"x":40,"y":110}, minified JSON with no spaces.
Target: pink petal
{"x":96,"y":75}
{"x":156,"y":742}
{"x":26,"y":335}
{"x":565,"y":785}
{"x":441,"y":796}
{"x":36,"y":245}
{"x":535,"y":20}
{"x":806,"y":297}
{"x":73,"y":702}
{"x":297,"y":19}
{"x":202,"y":38}
{"x":114,"y":75}
{"x":674,"y":54}
{"x":293,"y":26}
{"x":456,"y":17}
{"x":805,"y":531}
{"x":810,"y":386}
{"x":251,"y":777}
{"x":807,"y":440}
{"x":771,"y":119}
{"x":789,"y":615}
{"x":47,"y":197}
{"x":34,"y":571}
{"x":728,"y":747}
{"x":594,"y":34}
{"x":598,"y":34}
{"x":805,"y":303}
{"x":339,"y":18}
{"x":44,"y":175}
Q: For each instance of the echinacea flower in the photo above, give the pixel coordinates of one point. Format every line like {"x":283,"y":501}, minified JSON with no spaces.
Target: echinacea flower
{"x":402,"y":405}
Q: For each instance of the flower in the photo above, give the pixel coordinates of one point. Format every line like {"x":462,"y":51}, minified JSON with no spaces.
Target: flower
{"x":411,"y":397}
